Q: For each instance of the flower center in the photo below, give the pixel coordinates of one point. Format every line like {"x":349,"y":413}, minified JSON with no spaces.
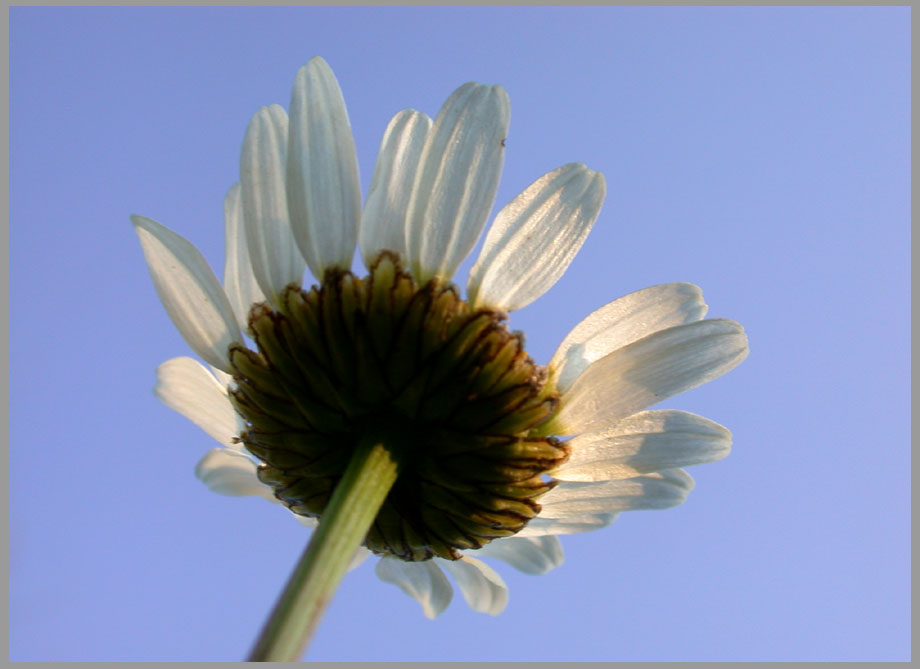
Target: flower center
{"x":453,"y":393}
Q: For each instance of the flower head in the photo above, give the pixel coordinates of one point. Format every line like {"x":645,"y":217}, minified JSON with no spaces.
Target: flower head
{"x":497,"y":454}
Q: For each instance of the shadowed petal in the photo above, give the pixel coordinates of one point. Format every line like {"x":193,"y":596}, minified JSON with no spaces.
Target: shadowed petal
{"x":482,"y":588}
{"x":230,"y":473}
{"x":186,"y":386}
{"x":188,"y":289}
{"x":324,"y":195}
{"x":646,"y":442}
{"x":305,"y":521}
{"x":383,"y":222}
{"x":224,"y":379}
{"x":588,"y":522}
{"x":276,"y":261}
{"x":358,"y":558}
{"x":660,"y":490}
{"x":239,"y":282}
{"x":423,"y":581}
{"x":531,"y":555}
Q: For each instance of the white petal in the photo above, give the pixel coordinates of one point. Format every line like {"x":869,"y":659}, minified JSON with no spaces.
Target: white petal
{"x":535,"y":237}
{"x":588,"y":522}
{"x":423,"y":581}
{"x":227,"y":472}
{"x":624,"y":321}
{"x":649,"y":371}
{"x":358,"y":558}
{"x":305,"y":521}
{"x":383,"y":223}
{"x":482,"y":588}
{"x":186,"y":386}
{"x":660,"y":490}
{"x":275,"y":259}
{"x":646,"y":442}
{"x":531,"y":555}
{"x":225,"y":380}
{"x":457,"y":178}
{"x":190,"y":292}
{"x":239,"y":282}
{"x":324,"y":196}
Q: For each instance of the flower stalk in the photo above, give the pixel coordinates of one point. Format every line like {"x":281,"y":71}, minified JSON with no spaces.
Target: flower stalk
{"x":358,"y":497}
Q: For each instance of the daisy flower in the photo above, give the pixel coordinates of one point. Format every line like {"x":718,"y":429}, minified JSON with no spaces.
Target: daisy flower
{"x":493,"y":455}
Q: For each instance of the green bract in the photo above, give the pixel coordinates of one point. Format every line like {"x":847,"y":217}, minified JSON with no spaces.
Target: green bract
{"x":447,"y":388}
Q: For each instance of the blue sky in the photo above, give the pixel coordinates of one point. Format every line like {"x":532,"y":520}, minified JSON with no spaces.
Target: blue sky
{"x":761,"y":153}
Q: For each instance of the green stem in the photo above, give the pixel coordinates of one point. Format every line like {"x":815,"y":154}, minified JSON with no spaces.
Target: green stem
{"x":344,"y":525}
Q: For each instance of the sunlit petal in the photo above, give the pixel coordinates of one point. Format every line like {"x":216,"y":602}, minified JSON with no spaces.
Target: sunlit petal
{"x":457,"y":179}
{"x":622,"y":322}
{"x":648,"y":371}
{"x":535,"y":237}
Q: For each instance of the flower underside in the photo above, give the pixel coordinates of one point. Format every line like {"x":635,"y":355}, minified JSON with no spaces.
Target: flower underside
{"x":447,"y":388}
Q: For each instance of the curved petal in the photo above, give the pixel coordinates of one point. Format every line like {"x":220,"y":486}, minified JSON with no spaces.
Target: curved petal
{"x":482,"y":588}
{"x":225,"y":380}
{"x":660,"y":490}
{"x":358,"y":558}
{"x":457,"y":178}
{"x":383,"y":222}
{"x":276,"y":261}
{"x":190,"y":292}
{"x":240,"y":283}
{"x":622,"y":322}
{"x":531,"y":555}
{"x":305,"y":521}
{"x":649,"y":371}
{"x":186,"y":386}
{"x":649,"y":441}
{"x":539,"y":527}
{"x":423,"y":581}
{"x":324,"y":195}
{"x":535,"y":237}
{"x":230,"y":473}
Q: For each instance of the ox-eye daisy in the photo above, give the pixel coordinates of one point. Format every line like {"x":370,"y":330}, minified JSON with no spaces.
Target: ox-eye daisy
{"x":399,"y":415}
